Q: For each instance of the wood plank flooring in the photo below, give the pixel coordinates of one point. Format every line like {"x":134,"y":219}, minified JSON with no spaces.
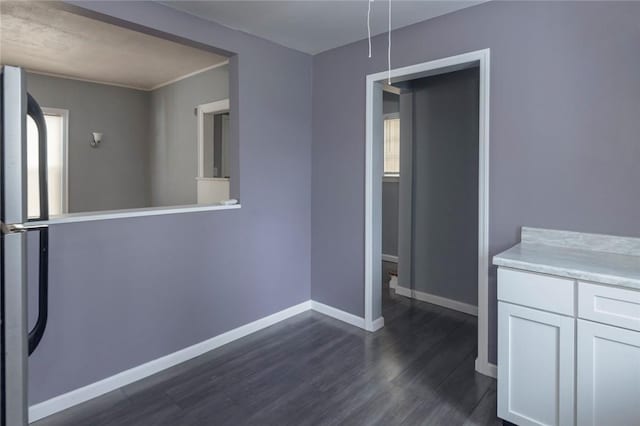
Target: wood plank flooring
{"x":314,"y":370}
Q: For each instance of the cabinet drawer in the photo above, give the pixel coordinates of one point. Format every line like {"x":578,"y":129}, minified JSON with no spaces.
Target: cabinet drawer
{"x":537,"y":291}
{"x":609,"y":305}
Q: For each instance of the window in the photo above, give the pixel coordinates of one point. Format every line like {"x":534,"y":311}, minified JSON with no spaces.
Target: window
{"x":56,"y":121}
{"x":391,"y":145}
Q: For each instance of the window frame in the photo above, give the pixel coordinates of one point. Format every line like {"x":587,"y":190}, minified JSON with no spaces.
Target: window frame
{"x":64,"y":114}
{"x":387,"y":176}
{"x":216,"y":107}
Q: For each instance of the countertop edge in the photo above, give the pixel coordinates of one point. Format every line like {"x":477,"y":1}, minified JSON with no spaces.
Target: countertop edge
{"x":579,"y":275}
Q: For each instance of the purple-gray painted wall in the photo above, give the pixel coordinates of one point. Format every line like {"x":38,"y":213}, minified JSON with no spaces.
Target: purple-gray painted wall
{"x":390,"y":104}
{"x":565,"y":128}
{"x":127,"y":291}
{"x":444,"y":198}
{"x":390,"y":208}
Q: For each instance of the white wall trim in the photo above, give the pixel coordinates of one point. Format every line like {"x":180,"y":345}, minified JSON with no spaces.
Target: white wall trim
{"x":338,"y":314}
{"x":391,"y":89}
{"x":390,"y":258}
{"x":376,"y":325}
{"x":127,"y":213}
{"x":101,"y":387}
{"x":128,"y":86}
{"x":372,"y":172}
{"x":85,"y":393}
{"x":487,"y":369}
{"x":393,"y":282}
{"x":191,"y":74}
{"x":201,"y":110}
{"x":86,"y":80}
{"x":343,"y":316}
{"x":437,"y":300}
{"x":64,"y":113}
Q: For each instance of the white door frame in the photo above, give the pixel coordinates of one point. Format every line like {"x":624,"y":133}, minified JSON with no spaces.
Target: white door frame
{"x":201,"y":110}
{"x":374,"y":172}
{"x":64,"y":113}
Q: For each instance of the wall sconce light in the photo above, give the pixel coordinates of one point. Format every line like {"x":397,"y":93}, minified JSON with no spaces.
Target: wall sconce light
{"x":97,"y":138}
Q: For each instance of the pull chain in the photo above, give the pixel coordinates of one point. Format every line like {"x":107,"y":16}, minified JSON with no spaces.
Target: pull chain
{"x":388,"y":37}
{"x":369,"y":24}
{"x":389,"y":48}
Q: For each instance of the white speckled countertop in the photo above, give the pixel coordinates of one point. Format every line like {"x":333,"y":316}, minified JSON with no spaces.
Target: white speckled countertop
{"x":587,"y":257}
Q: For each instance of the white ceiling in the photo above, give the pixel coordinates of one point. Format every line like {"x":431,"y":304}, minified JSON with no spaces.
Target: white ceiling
{"x":42,"y":37}
{"x":313,"y":26}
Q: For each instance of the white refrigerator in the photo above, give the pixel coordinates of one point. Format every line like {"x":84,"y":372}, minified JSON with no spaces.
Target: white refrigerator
{"x":17,"y":342}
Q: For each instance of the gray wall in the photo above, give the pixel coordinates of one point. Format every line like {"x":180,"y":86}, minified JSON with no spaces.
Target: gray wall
{"x":208,"y":141}
{"x":390,"y":104}
{"x":217,"y":144}
{"x":565,"y":102}
{"x":390,"y":218}
{"x":127,"y":291}
{"x":114,"y":175}
{"x":445,"y":185}
{"x":174,"y":149}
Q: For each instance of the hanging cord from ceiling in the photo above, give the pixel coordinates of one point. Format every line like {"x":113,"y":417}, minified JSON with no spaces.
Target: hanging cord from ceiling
{"x":388,"y":37}
{"x":389,"y":47}
{"x":369,"y":24}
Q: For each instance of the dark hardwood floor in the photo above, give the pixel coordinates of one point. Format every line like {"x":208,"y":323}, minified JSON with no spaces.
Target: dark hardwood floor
{"x":314,"y":370}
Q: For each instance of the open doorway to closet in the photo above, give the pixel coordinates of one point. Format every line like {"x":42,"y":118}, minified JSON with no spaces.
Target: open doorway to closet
{"x":427,"y":199}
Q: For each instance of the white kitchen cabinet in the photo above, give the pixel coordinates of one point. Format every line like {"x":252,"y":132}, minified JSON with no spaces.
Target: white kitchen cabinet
{"x":569,"y":329}
{"x":608,"y":375}
{"x":536,"y":361}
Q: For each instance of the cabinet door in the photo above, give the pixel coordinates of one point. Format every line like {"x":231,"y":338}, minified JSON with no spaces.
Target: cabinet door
{"x":608,"y":375}
{"x":535,"y":366}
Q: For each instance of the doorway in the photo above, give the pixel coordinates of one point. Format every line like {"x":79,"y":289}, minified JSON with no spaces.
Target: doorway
{"x":373,"y":186}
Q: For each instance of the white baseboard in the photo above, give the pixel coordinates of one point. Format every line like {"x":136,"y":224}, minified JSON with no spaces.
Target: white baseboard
{"x":437,"y":300}
{"x":393,"y":282}
{"x":101,"y":387}
{"x":376,"y":325}
{"x":93,"y":390}
{"x":487,"y":368}
{"x":85,"y":393}
{"x":343,"y":316}
{"x":389,"y":258}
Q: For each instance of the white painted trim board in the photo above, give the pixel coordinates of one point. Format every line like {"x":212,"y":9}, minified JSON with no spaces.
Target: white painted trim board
{"x":128,"y":213}
{"x":389,"y":258}
{"x":337,"y":314}
{"x":127,"y":86}
{"x":437,"y":300}
{"x":64,"y":113}
{"x":108,"y":384}
{"x":191,"y":74}
{"x":209,"y":108}
{"x":101,"y":387}
{"x":487,"y":369}
{"x":373,"y":172}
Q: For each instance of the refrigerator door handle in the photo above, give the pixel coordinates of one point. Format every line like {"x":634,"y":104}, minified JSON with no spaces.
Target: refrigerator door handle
{"x":14,"y":228}
{"x":35,"y":335}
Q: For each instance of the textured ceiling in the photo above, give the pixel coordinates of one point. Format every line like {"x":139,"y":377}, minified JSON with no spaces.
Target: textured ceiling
{"x":43,"y":37}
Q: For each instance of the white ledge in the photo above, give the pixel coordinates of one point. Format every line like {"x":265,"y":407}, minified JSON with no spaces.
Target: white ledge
{"x":213,"y":179}
{"x":123,"y":214}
